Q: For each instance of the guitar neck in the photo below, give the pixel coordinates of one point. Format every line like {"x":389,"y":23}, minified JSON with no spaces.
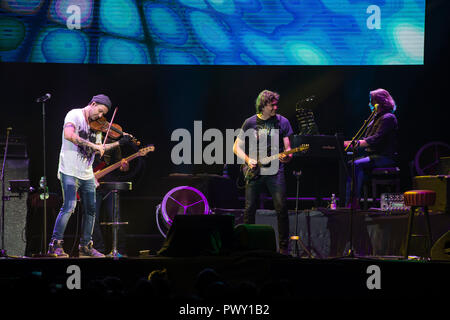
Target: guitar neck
{"x":275,"y":156}
{"x":100,"y":174}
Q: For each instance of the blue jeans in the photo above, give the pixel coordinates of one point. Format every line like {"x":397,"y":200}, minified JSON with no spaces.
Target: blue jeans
{"x":362,"y":166}
{"x":277,"y":187}
{"x":86,"y":188}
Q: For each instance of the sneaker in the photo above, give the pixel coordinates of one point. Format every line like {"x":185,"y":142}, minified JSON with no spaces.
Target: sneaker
{"x":89,"y":251}
{"x":55,"y":248}
{"x":119,"y":255}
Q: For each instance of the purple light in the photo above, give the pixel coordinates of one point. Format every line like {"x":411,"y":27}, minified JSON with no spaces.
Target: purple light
{"x":185,"y":207}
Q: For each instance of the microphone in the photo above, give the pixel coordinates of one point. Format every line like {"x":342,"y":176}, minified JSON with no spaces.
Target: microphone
{"x":297,"y":173}
{"x":44,"y":97}
{"x":373,"y":108}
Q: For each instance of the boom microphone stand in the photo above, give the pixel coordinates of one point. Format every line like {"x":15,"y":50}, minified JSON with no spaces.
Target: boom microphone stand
{"x":4,"y":198}
{"x":353,"y":144}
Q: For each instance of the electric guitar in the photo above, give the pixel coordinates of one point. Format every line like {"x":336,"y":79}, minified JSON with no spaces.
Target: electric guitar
{"x":253,"y":173}
{"x":103,"y":172}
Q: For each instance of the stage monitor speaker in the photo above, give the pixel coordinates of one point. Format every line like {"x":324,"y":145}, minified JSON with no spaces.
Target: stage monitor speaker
{"x":15,"y":208}
{"x":199,"y":235}
{"x":254,"y":237}
{"x":441,"y":248}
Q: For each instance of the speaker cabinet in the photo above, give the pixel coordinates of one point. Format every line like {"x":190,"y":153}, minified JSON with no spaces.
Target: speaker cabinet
{"x":15,"y":208}
{"x":441,"y":248}
{"x":255,"y":237}
{"x":199,"y":235}
{"x":441,"y":185}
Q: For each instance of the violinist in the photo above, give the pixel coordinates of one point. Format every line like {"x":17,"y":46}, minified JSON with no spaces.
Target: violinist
{"x":79,"y":145}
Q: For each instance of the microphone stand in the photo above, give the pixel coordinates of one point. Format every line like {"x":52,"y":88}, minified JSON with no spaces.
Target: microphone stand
{"x":3,"y":253}
{"x":43,"y":184}
{"x":296,"y":237}
{"x":45,"y":177}
{"x":353,"y":144}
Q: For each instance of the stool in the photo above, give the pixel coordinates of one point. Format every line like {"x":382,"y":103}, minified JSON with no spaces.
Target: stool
{"x":382,"y":176}
{"x":115,"y":188}
{"x":418,"y":199}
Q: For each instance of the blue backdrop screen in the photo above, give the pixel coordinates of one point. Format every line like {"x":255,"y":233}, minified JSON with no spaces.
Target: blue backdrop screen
{"x":214,"y":32}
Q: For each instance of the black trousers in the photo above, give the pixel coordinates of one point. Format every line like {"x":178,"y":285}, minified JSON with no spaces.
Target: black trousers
{"x":276,"y":184}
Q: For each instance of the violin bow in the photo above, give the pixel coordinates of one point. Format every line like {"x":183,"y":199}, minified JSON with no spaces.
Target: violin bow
{"x":109,"y":127}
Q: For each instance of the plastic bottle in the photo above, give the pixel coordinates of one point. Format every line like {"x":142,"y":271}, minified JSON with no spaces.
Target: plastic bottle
{"x":333,"y":202}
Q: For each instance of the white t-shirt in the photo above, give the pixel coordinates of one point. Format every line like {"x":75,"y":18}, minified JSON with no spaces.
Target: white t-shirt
{"x":76,"y":160}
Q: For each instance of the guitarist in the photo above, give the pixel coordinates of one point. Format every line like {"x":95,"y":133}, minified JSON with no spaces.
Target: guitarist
{"x":104,"y":199}
{"x":264,"y":123}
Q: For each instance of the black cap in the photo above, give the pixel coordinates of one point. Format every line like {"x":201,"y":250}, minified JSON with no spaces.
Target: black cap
{"x":102,"y":99}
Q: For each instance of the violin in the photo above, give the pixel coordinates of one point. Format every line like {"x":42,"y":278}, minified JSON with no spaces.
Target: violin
{"x":115,"y":132}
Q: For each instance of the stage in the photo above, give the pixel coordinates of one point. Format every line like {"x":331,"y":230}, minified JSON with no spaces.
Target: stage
{"x":257,"y":277}
{"x":377,"y":274}
{"x":183,"y":76}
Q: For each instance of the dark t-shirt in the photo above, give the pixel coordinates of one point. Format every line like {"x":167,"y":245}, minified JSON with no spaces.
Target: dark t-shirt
{"x":264,"y":130}
{"x":382,"y":135}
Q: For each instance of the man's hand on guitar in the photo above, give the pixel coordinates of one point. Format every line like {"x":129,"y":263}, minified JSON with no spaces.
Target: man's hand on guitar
{"x":252,"y":163}
{"x":124,"y":165}
{"x":285,"y":158}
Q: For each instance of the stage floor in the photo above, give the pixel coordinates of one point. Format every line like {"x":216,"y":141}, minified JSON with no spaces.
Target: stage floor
{"x":242,"y":277}
{"x":376,"y":278}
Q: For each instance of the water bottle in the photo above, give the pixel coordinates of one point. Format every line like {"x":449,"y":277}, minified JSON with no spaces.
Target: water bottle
{"x":333,"y":202}
{"x":43,"y":183}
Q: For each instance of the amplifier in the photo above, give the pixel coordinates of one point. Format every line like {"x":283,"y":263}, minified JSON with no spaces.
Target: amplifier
{"x":393,"y":202}
{"x":444,"y":165}
{"x":441,"y":185}
{"x":17,"y":147}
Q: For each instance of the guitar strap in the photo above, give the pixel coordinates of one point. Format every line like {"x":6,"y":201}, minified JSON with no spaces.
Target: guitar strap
{"x":278,"y":126}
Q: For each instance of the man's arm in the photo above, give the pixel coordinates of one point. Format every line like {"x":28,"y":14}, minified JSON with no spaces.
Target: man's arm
{"x":238,"y":151}
{"x":70,"y":135}
{"x":113,"y":145}
{"x":360,"y":143}
{"x":287,"y":147}
{"x":388,"y":123}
